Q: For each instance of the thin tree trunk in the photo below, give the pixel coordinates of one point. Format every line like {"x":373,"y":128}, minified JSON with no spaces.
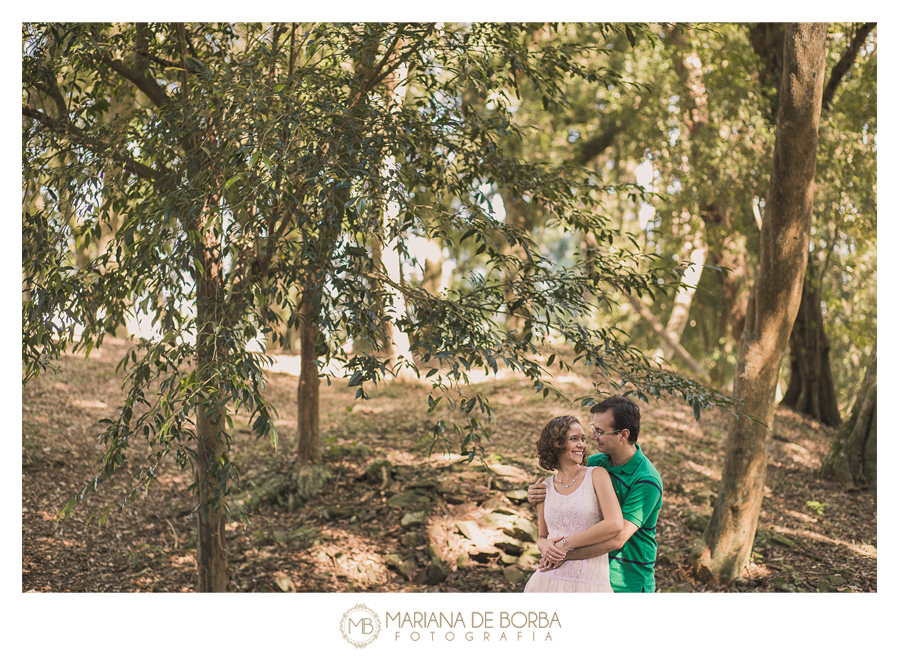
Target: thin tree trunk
{"x":725,"y":548}
{"x":811,"y":387}
{"x":852,"y":460}
{"x":681,"y":307}
{"x":212,"y":559}
{"x":674,"y":346}
{"x":396,"y":342}
{"x":433,"y":269}
{"x":514,"y":207}
{"x":120,"y":107}
{"x":308,"y":436}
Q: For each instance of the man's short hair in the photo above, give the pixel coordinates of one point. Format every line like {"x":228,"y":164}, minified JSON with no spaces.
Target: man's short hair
{"x":626,"y":414}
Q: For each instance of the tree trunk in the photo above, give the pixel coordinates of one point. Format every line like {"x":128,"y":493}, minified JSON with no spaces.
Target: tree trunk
{"x":811,"y":387}
{"x":853,"y":457}
{"x":722,"y":238}
{"x":724,"y":550}
{"x":728,"y":253}
{"x":767,"y":40}
{"x":681,"y":307}
{"x":433,"y":269}
{"x":212,"y":560}
{"x":674,"y":346}
{"x":308,"y":437}
{"x":516,"y":321}
{"x":212,"y":557}
{"x":396,"y":342}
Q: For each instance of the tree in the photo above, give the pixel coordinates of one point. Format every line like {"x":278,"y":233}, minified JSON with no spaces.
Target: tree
{"x":774,"y":299}
{"x":699,"y":130}
{"x":252,"y":173}
{"x":811,"y":386}
{"x":811,"y":389}
{"x":852,"y":460}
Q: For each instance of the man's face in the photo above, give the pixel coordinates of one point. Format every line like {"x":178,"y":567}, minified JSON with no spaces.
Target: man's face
{"x":604,"y":422}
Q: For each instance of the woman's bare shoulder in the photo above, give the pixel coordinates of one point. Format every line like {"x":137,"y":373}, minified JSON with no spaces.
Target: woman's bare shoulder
{"x":599,"y":475}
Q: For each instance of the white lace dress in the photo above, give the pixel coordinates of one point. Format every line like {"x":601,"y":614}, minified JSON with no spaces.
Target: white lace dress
{"x":566,"y":514}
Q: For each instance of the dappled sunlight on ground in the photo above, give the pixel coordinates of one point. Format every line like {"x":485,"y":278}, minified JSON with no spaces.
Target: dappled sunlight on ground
{"x":866,"y":550}
{"x":351,"y":536}
{"x":708,"y":472}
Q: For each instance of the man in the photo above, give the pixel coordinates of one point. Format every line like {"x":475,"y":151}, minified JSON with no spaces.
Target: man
{"x":638,"y":486}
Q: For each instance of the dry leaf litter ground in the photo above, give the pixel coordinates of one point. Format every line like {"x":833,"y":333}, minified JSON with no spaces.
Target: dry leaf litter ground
{"x":428,"y":520}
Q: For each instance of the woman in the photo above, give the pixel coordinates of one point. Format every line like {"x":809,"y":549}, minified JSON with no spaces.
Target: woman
{"x":580,"y":509}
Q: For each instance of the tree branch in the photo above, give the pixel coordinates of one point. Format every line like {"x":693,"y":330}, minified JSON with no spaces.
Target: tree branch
{"x":846,"y":61}
{"x":376,"y":77}
{"x":52,"y":90}
{"x":158,"y":60}
{"x":596,"y":145}
{"x":65,"y":127}
{"x":292,"y":50}
{"x":145,"y":83}
{"x":182,"y":50}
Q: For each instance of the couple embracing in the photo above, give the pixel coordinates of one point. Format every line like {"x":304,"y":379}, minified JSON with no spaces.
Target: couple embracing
{"x":596,"y":515}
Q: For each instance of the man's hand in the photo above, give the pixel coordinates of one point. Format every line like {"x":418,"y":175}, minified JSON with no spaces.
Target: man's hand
{"x":537,"y":492}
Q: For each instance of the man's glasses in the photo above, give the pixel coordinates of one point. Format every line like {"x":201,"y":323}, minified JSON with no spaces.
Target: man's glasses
{"x":598,"y":432}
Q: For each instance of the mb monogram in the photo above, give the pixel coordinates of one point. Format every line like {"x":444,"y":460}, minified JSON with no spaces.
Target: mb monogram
{"x":360,"y":625}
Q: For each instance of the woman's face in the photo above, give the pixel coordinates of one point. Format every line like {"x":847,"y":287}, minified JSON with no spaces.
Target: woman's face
{"x":575,"y":445}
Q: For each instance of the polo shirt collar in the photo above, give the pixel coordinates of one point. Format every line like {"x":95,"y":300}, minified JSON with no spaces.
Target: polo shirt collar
{"x":630,"y":466}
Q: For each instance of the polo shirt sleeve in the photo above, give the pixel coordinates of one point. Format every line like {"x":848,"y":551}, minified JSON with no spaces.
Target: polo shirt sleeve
{"x":644,"y":497}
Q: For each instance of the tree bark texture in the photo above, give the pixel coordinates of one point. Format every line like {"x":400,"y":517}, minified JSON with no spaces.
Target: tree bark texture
{"x":724,"y":550}
{"x":308,"y":436}
{"x":212,"y":559}
{"x":853,"y":457}
{"x":811,"y":387}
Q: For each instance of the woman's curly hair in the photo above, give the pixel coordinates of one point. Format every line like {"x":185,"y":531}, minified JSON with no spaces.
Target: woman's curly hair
{"x":553,"y":440}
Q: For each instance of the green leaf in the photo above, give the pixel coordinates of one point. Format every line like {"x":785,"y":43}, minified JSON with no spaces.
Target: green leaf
{"x":630,"y":35}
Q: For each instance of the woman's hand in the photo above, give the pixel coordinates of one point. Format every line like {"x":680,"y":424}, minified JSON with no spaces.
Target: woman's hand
{"x":545,"y":564}
{"x":551,"y":550}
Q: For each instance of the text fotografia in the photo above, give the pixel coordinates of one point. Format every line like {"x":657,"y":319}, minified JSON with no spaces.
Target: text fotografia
{"x":479,"y":626}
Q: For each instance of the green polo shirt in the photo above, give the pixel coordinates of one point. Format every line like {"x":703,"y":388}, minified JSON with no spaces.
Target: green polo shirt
{"x":639,"y":489}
